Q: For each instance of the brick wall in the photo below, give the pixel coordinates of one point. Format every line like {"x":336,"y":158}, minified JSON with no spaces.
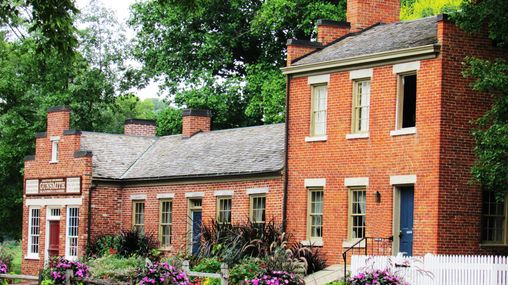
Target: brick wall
{"x":328,"y":31}
{"x":364,"y":13}
{"x":68,"y":166}
{"x":142,"y":128}
{"x":195,"y":120}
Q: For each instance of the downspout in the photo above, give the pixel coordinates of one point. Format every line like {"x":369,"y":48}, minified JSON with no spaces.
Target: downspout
{"x":89,"y":226}
{"x":286,"y":157}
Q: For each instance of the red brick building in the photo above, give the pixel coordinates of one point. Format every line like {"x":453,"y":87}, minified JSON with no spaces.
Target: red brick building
{"x":81,"y":185}
{"x":379,"y":136}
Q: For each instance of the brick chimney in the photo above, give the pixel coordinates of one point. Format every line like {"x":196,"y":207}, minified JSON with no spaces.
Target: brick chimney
{"x":196,"y":120}
{"x":59,"y":119}
{"x":139,"y":127}
{"x":364,"y":13}
{"x":299,"y":48}
{"x":328,"y":30}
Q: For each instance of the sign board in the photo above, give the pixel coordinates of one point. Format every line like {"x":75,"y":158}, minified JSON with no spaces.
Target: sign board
{"x":54,"y":185}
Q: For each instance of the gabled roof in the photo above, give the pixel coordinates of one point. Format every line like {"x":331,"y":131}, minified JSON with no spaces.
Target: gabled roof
{"x":377,"y":39}
{"x":240,"y":151}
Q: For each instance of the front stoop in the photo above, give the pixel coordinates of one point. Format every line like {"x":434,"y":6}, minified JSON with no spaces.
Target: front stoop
{"x":331,"y":273}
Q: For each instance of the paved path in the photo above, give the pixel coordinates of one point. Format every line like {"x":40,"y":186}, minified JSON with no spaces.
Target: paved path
{"x":331,"y":273}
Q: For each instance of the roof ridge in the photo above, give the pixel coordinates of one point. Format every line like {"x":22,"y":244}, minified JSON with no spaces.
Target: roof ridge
{"x":156,"y":139}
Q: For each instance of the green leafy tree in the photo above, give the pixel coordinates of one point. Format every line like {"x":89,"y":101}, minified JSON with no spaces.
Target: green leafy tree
{"x":214,"y":54}
{"x":414,"y":9}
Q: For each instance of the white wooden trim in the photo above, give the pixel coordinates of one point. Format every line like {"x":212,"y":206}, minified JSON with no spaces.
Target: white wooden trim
{"x":54,"y":138}
{"x":166,"y":196}
{"x":404,"y":131}
{"x":315,"y":182}
{"x":361,"y":73}
{"x":32,"y":186}
{"x":223,"y":193}
{"x":402,"y":179}
{"x":53,"y":202}
{"x":314,"y":242}
{"x":194,"y":194}
{"x":30,"y":255}
{"x":138,"y":197}
{"x":357,"y":136}
{"x":317,"y":79}
{"x":406,"y":67}
{"x":316,"y":139}
{"x":255,"y":191}
{"x":356,"y":181}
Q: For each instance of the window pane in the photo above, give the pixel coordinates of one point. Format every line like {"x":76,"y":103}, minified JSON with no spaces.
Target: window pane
{"x":316,"y":214}
{"x":361,"y":103}
{"x":224,"y":214}
{"x":34,"y":231}
{"x":319,"y":106}
{"x":358,"y":210}
{"x":493,"y":218}
{"x":72,"y":231}
{"x":139,"y":217}
{"x":409,"y":101}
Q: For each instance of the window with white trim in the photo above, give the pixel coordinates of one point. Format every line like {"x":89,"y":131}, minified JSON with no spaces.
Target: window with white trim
{"x":34,"y":232}
{"x":166,"y":223}
{"x":494,"y":223}
{"x":361,"y":105}
{"x":71,"y":251}
{"x":318,"y":112}
{"x":138,"y":216}
{"x":258,"y":209}
{"x":315,"y":216}
{"x":406,"y":101}
{"x":54,"y":149}
{"x":224,"y":210}
{"x":357,"y":210}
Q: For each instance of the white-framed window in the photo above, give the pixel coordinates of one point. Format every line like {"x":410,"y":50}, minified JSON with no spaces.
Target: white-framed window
{"x":361,"y":106}
{"x":54,"y":149}
{"x":406,"y":100}
{"x":138,"y":216}
{"x":258,"y":209}
{"x":494,"y":222}
{"x":315,"y":214}
{"x":224,"y":205}
{"x":34,"y":229}
{"x":166,"y":223}
{"x":357,"y":211}
{"x":71,"y":245}
{"x":318,"y":110}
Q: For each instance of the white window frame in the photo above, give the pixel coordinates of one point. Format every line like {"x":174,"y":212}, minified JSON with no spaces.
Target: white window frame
{"x":54,"y":149}
{"x":314,"y":239}
{"x":359,"y":108}
{"x":315,"y":111}
{"x":29,"y":253}
{"x":70,"y":235}
{"x":168,"y":223}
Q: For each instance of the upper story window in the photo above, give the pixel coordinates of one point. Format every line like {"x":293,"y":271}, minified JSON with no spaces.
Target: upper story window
{"x":494,"y":223}
{"x":361,"y":105}
{"x":406,"y":101}
{"x":54,"y":148}
{"x":318,"y":112}
{"x":224,"y":210}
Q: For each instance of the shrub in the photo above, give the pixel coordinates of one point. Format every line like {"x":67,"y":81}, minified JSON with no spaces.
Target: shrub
{"x":248,"y":269}
{"x":61,"y":265}
{"x":135,"y":243}
{"x":3,"y":268}
{"x":114,"y":268}
{"x":8,"y":251}
{"x":208,"y":265}
{"x":281,"y":259}
{"x":103,"y":245}
{"x":311,"y":256}
{"x":376,"y":276}
{"x":276,"y":277}
{"x":157,"y":273}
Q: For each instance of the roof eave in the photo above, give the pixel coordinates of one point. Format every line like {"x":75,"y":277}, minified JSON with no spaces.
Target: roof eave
{"x":432,"y":49}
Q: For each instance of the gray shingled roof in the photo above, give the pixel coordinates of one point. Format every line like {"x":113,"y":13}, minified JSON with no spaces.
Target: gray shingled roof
{"x":381,"y":38}
{"x":257,"y":149}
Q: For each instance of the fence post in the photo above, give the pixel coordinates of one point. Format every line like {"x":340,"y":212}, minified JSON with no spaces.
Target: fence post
{"x":39,"y":281}
{"x":224,"y":274}
{"x":186,"y":266}
{"x":68,"y":276}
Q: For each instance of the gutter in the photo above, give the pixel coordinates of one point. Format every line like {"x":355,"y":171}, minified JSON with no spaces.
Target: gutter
{"x":89,"y":226}
{"x":432,"y":50}
{"x":286,"y":158}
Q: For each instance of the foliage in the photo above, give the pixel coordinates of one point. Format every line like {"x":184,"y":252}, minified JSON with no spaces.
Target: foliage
{"x":208,"y":265}
{"x":115,"y":268}
{"x":61,"y":265}
{"x":276,"y":277}
{"x":491,"y":134}
{"x":310,"y":255}
{"x":3,"y":267}
{"x":423,"y":8}
{"x":281,"y":259}
{"x":247,"y":269}
{"x":101,"y":246}
{"x":134,"y":243}
{"x":216,"y":54}
{"x":157,"y":273}
{"x":169,"y":121}
{"x":10,"y":255}
{"x":377,"y":276}
{"x":337,"y":283}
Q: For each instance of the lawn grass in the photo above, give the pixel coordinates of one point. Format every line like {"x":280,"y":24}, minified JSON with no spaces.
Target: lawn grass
{"x":13,"y":249}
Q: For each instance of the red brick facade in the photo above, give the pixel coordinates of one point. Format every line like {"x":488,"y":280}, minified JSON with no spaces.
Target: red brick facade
{"x":364,"y":13}
{"x":328,"y":31}
{"x":143,"y":128}
{"x":195,"y":121}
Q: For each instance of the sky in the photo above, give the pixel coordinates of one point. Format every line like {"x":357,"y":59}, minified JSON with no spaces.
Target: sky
{"x":121,"y":9}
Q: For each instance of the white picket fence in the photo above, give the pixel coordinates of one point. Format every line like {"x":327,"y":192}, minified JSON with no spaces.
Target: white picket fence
{"x":439,"y":269}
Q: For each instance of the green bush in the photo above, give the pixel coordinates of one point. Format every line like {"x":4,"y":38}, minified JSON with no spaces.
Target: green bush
{"x":115,"y":268}
{"x":247,"y":269}
{"x":102,"y":245}
{"x":10,"y":254}
{"x":337,"y":283}
{"x":126,"y":244}
{"x":208,"y":265}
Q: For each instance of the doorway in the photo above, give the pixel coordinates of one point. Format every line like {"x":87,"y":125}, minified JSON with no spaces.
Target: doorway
{"x":403,"y":219}
{"x":196,"y":222}
{"x":54,"y":239}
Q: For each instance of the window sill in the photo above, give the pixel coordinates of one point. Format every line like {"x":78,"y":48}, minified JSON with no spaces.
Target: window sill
{"x":166,"y":249}
{"x":316,"y":139}
{"x":312,"y":242}
{"x":493,"y":245}
{"x":357,"y":136}
{"x":403,"y":132}
{"x":350,"y":243}
{"x":53,"y":161}
{"x":32,"y":257}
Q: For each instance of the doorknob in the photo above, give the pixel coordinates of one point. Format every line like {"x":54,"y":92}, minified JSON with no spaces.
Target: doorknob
{"x":400,"y":234}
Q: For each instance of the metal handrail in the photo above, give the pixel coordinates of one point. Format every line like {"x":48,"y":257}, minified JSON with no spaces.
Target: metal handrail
{"x":378,"y":240}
